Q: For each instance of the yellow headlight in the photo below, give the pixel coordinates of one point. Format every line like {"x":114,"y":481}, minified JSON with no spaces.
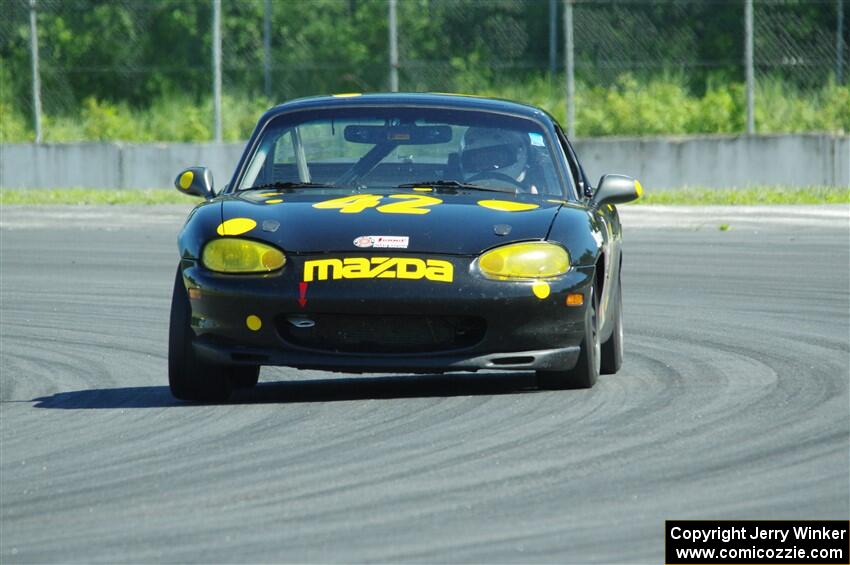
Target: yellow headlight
{"x":532,"y":260}
{"x":233,"y":255}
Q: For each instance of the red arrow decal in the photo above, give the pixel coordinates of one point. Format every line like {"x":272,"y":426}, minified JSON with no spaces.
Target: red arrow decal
{"x":302,"y":294}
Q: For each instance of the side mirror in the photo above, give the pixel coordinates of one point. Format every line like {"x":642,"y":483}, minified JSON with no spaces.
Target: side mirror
{"x":616,"y":189}
{"x":197,"y":181}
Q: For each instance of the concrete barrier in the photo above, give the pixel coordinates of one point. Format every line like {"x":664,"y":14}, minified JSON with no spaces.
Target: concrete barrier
{"x":661,"y":163}
{"x":111,"y":165}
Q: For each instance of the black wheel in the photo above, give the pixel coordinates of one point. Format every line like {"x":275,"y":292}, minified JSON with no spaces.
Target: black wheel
{"x":245,"y":377}
{"x":189,"y":377}
{"x":612,"y":349}
{"x":586,"y":371}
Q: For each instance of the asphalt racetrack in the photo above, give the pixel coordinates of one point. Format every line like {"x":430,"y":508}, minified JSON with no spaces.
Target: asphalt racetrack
{"x":732,"y":403}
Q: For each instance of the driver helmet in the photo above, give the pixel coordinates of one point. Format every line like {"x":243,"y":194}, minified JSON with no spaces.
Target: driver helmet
{"x":484,"y":150}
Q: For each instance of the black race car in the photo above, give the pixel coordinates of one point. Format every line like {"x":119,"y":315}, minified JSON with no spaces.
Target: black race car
{"x":399,"y":233}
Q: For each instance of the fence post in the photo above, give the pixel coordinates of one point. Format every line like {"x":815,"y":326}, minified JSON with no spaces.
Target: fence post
{"x":393,"y":31}
{"x":748,"y":61}
{"x":569,"y":52}
{"x":216,"y":47}
{"x":839,"y":43}
{"x":553,"y":37}
{"x":36,"y":75}
{"x":267,"y":47}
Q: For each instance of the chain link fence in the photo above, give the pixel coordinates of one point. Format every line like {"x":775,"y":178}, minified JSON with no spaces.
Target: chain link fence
{"x":792,"y":42}
{"x":640,"y":66}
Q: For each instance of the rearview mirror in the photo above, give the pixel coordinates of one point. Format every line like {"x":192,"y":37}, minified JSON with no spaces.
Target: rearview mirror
{"x":616,"y":189}
{"x":197,"y":181}
{"x":401,"y":134}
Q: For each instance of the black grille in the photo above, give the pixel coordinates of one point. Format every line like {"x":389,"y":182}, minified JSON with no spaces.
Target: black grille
{"x":347,"y":333}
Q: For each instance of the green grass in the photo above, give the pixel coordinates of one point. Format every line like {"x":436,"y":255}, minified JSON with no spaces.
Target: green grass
{"x":760,"y":195}
{"x":686,"y":196}
{"x":93,"y":196}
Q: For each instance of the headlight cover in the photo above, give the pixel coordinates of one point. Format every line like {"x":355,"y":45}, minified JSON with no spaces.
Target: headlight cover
{"x":529,"y":260}
{"x":234,"y":255}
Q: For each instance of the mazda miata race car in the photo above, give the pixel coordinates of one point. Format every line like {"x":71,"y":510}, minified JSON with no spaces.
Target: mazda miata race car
{"x":399,"y":233}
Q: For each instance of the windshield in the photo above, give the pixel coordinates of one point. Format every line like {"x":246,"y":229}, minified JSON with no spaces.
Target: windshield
{"x":389,"y":147}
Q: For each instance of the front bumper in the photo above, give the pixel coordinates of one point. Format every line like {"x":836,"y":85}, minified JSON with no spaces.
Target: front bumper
{"x":519,"y":330}
{"x":547,"y":359}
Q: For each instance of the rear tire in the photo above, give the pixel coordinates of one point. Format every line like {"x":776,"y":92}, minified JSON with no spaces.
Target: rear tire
{"x":612,"y":349}
{"x":189,"y":377}
{"x":586,"y":371}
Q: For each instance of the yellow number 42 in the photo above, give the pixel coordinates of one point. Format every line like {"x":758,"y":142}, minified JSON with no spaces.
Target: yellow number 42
{"x":402,"y":204}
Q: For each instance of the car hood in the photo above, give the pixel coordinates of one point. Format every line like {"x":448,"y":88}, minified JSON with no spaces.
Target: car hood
{"x":461,"y":222}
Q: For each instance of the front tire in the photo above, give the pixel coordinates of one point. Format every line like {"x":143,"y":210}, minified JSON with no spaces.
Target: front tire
{"x":190,"y":378}
{"x":586,"y":371}
{"x":245,"y":377}
{"x":612,"y":349}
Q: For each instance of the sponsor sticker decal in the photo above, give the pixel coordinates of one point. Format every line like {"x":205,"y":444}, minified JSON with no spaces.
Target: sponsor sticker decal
{"x":536,"y":139}
{"x":383,"y":241}
{"x":410,"y":268}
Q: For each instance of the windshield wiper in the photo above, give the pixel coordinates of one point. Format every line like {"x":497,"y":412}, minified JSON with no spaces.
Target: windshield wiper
{"x":289,"y":184}
{"x":452,"y":184}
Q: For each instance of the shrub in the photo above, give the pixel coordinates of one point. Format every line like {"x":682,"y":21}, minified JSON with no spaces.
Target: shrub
{"x":630,"y":106}
{"x":13,"y":125}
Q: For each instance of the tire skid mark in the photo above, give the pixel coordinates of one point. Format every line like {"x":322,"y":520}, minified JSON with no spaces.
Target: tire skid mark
{"x":728,"y":404}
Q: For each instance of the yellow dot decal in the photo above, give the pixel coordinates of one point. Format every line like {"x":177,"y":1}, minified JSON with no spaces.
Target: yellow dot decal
{"x":346,"y":95}
{"x":186,"y":180}
{"x":507,"y":205}
{"x":236,"y":226}
{"x":540,"y":289}
{"x":423,"y":189}
{"x":253,"y":322}
{"x":638,"y":188}
{"x":274,"y":201}
{"x":270,"y":194}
